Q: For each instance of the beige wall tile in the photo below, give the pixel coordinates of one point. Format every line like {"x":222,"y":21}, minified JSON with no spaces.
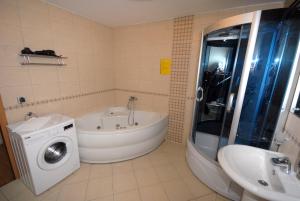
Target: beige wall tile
{"x":19,"y":114}
{"x":46,"y":91}
{"x":290,"y":146}
{"x":99,"y":57}
{"x":9,"y":56}
{"x":34,"y":16}
{"x":44,"y":75}
{"x":9,"y":94}
{"x":88,"y":46}
{"x":10,"y":35}
{"x":9,"y":13}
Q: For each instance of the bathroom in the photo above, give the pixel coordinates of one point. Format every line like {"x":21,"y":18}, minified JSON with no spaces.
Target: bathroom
{"x":114,"y":50}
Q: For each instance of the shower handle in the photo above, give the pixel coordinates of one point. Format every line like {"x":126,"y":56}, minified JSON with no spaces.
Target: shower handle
{"x":199,"y":99}
{"x":230,"y":102}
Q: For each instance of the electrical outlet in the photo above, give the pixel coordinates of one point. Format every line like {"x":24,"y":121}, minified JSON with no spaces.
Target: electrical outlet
{"x":21,"y":99}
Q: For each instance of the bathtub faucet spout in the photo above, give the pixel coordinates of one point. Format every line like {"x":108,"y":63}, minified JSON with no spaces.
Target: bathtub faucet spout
{"x":133,"y":98}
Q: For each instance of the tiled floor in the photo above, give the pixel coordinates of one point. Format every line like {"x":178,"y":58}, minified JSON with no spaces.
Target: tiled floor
{"x":162,"y":175}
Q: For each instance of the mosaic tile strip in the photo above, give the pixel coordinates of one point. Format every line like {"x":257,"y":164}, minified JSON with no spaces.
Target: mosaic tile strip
{"x":40,"y":102}
{"x":142,"y":92}
{"x":181,"y":54}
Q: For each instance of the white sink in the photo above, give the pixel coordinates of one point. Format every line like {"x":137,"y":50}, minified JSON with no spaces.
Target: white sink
{"x":247,"y":165}
{"x":32,"y":124}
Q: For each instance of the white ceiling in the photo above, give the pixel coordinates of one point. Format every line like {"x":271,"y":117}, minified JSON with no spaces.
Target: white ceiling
{"x":129,"y":12}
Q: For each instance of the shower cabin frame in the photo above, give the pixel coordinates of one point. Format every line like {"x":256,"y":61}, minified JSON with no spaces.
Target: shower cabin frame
{"x":204,"y":167}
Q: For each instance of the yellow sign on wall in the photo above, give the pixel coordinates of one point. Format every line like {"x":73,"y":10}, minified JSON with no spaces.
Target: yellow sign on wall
{"x":165,"y":66}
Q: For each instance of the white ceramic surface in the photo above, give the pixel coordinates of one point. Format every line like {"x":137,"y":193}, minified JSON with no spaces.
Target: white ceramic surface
{"x":32,"y":124}
{"x":110,"y":144}
{"x":210,"y":173}
{"x":246,"y":165}
{"x":29,"y":148}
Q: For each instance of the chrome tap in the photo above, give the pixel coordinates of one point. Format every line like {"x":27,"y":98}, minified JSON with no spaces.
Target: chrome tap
{"x":284,"y":163}
{"x":29,"y":115}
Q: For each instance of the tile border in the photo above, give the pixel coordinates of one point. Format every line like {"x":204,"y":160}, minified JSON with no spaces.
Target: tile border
{"x":53,"y":100}
{"x":142,"y":92}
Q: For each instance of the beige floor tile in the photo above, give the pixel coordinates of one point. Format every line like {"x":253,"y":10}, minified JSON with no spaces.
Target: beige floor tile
{"x":127,"y":196}
{"x":177,"y":191}
{"x":141,"y":163}
{"x":124,"y":182}
{"x":82,"y":174}
{"x":53,"y":196}
{"x":13,"y":189}
{"x":84,"y":164}
{"x":210,"y":197}
{"x":196,"y":187}
{"x":153,"y":193}
{"x":183,"y":169}
{"x":166,"y":173}
{"x":100,"y":171}
{"x":2,"y":198}
{"x":174,"y":149}
{"x":171,"y":147}
{"x":99,"y":188}
{"x":122,"y":167}
{"x":108,"y":198}
{"x":158,"y":159}
{"x":73,"y":192}
{"x":221,"y":198}
{"x":25,"y":196}
{"x":146,"y":177}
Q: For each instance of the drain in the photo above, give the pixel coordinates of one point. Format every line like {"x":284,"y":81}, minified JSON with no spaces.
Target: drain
{"x":262,"y":182}
{"x":136,"y":123}
{"x":98,"y":127}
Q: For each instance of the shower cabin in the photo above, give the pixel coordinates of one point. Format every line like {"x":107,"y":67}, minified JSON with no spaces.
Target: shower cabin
{"x":245,"y":68}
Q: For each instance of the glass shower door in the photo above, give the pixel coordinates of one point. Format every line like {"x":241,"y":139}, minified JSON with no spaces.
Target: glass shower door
{"x":221,"y":66}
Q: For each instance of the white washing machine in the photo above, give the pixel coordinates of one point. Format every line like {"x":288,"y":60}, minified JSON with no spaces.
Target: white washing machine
{"x":46,"y":150}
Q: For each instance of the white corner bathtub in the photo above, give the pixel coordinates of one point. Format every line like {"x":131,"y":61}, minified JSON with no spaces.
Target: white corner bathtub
{"x":105,"y":137}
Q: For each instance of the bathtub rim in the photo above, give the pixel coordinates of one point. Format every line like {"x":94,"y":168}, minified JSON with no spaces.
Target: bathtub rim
{"x":162,"y":117}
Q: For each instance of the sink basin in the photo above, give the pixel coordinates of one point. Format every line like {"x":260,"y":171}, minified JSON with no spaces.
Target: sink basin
{"x":252,"y":169}
{"x":32,"y":124}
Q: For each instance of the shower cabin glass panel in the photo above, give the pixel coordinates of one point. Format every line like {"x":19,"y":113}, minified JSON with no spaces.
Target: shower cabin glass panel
{"x":220,"y":70}
{"x":275,"y":50}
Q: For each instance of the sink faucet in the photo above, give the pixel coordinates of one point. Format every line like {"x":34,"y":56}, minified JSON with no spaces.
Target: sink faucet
{"x":284,"y":163}
{"x":29,"y":115}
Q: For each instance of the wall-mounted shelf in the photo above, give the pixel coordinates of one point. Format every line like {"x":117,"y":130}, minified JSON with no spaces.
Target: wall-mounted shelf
{"x":27,"y":60}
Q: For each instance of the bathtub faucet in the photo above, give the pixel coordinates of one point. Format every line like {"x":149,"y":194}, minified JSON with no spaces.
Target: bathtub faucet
{"x":130,"y":102}
{"x":130,"y":107}
{"x":133,"y":98}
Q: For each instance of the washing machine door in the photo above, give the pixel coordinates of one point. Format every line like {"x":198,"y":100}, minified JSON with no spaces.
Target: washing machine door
{"x":55,"y":153}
